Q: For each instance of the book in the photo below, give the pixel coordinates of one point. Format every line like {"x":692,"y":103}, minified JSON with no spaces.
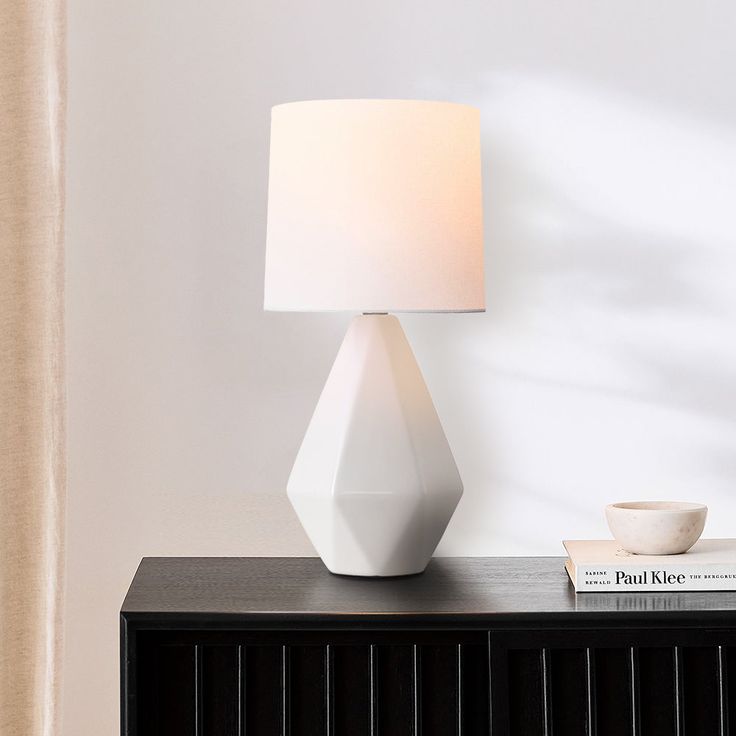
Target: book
{"x":602,"y":566}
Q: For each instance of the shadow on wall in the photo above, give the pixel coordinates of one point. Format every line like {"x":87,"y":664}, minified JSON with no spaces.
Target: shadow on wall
{"x":605,"y":366}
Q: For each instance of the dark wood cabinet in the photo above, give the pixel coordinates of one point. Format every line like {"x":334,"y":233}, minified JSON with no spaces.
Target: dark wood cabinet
{"x":280,"y":647}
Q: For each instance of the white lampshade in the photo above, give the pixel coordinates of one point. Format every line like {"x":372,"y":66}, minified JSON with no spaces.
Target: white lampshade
{"x":374,"y":206}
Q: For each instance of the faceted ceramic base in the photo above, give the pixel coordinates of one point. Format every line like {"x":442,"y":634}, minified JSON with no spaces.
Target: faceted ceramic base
{"x":375,"y":483}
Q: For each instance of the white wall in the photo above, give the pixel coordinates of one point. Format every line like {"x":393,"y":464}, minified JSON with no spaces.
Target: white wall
{"x":603,"y":369}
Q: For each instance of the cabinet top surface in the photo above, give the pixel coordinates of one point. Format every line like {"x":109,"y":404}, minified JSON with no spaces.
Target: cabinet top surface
{"x":452,"y":588}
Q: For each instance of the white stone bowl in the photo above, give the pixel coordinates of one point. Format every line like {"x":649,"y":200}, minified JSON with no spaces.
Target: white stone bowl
{"x":656,"y":527}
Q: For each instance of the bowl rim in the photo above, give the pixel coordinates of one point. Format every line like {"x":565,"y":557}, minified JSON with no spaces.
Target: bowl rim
{"x":659,"y":507}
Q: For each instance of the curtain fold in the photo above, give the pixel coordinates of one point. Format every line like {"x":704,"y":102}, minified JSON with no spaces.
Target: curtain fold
{"x":32,"y":410}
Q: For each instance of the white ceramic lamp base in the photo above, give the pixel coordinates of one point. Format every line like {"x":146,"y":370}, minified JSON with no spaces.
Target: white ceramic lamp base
{"x":375,"y":483}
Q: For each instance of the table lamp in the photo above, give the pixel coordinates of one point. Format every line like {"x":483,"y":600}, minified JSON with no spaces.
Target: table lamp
{"x":374,"y":207}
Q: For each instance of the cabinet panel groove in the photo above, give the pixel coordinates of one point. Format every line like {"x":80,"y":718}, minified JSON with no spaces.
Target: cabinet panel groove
{"x":330,"y":690}
{"x":241,"y":690}
{"x":679,"y":700}
{"x":633,"y":654}
{"x":416,"y":691}
{"x":592,"y":723}
{"x":546,"y":691}
{"x":722,"y":692}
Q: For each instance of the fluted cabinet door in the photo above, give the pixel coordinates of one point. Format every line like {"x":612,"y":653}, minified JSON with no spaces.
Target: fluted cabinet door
{"x":614,"y":683}
{"x":385,"y":685}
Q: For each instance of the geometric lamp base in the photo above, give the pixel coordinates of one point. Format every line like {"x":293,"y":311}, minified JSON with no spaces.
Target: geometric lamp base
{"x":374,"y":483}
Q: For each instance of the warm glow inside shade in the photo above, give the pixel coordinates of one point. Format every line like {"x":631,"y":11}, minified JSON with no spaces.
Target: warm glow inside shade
{"x":374,"y":206}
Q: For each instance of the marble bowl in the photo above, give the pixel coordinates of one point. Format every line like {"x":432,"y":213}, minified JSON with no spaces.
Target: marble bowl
{"x":656,"y":527}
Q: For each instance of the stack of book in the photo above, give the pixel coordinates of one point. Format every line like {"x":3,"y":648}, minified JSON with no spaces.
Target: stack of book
{"x":603,"y":567}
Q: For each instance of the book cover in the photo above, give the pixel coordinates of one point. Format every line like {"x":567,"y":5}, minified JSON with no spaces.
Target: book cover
{"x":602,"y":566}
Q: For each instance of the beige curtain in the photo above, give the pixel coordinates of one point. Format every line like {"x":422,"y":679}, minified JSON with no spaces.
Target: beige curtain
{"x":32,"y":466}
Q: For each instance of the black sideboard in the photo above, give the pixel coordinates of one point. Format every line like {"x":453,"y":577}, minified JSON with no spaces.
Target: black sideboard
{"x":280,"y":647}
